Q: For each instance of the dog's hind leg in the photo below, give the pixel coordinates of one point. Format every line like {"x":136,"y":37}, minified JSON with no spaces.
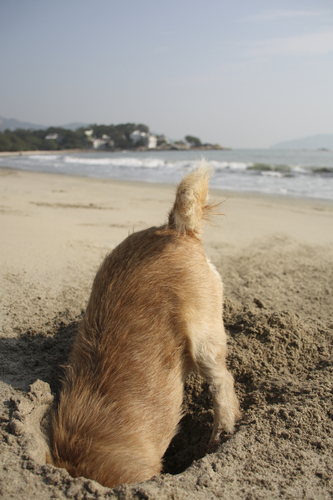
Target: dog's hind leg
{"x":210,"y":355}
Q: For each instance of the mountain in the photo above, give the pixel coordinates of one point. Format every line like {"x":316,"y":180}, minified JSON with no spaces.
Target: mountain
{"x":319,"y":141}
{"x":13,"y":124}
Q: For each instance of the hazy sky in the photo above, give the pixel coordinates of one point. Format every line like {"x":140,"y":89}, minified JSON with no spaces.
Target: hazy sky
{"x":244,"y":73}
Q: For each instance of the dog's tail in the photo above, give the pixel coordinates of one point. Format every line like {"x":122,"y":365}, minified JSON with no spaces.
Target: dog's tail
{"x":191,"y":208}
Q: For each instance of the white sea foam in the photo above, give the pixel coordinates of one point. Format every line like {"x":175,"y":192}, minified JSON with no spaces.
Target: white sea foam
{"x":119,"y":162}
{"x":270,"y":173}
{"x":42,"y":158}
{"x":301,"y":170}
{"x":150,"y":162}
{"x":230,"y":165}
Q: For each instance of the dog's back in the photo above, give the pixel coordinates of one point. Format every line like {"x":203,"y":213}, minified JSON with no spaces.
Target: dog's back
{"x":123,"y":387}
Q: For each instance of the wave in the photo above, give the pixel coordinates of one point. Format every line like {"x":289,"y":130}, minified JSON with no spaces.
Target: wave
{"x":266,"y":169}
{"x":41,"y":158}
{"x":134,"y":162}
{"x":117,"y":162}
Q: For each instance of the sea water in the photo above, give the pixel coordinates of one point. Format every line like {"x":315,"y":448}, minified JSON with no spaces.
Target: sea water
{"x":290,"y":173}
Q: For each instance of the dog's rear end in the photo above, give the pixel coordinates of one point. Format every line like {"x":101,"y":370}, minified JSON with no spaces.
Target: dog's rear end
{"x":154,"y":315}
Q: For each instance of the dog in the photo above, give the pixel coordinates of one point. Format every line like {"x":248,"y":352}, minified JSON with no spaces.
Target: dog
{"x":154,"y":315}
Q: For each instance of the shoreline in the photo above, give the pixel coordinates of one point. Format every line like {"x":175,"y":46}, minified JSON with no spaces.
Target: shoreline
{"x":4,"y":154}
{"x":134,"y":150}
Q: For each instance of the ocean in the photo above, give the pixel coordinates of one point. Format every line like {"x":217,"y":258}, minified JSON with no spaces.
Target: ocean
{"x":305,"y":174}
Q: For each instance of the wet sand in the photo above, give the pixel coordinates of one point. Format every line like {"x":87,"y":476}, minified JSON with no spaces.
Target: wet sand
{"x":275,"y":256}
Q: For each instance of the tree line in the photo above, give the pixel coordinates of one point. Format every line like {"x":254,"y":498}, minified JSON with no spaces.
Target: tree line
{"x":34,"y":140}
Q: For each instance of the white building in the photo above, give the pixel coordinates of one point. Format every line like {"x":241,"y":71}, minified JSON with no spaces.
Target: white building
{"x":98,"y":143}
{"x":138,"y":136}
{"x":148,"y":140}
{"x":152,"y":142}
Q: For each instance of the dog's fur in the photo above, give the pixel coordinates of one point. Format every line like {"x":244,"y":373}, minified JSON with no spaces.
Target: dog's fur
{"x":154,"y":315}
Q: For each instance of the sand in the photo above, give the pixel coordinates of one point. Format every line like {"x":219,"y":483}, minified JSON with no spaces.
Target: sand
{"x":275,"y":256}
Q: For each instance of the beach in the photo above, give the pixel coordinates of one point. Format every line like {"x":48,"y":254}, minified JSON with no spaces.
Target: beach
{"x":275,"y":256}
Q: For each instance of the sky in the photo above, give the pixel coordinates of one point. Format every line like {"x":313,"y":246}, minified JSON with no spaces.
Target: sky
{"x":241,"y":73}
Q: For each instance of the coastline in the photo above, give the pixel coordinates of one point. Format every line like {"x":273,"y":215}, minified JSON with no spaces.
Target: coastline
{"x":117,"y":150}
{"x":42,"y":152}
{"x":275,"y":255}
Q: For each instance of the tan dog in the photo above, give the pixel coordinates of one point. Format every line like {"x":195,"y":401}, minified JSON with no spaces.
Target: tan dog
{"x":154,"y":315}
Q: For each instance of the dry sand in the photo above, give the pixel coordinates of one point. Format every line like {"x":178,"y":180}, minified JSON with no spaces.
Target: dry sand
{"x":276,"y":260}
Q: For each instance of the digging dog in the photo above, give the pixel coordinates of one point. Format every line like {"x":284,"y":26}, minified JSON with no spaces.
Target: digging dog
{"x":154,"y":315}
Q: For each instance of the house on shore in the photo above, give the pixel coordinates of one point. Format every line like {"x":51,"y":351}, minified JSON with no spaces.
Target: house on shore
{"x":49,"y":137}
{"x":144,"y":139}
{"x":99,"y":143}
{"x":104,"y":142}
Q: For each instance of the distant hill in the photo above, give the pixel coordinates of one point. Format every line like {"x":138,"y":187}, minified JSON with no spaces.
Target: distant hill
{"x":319,"y":141}
{"x":75,"y":125}
{"x":13,"y":124}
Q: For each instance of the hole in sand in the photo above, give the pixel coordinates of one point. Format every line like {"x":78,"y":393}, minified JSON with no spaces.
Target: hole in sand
{"x":195,"y":428}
